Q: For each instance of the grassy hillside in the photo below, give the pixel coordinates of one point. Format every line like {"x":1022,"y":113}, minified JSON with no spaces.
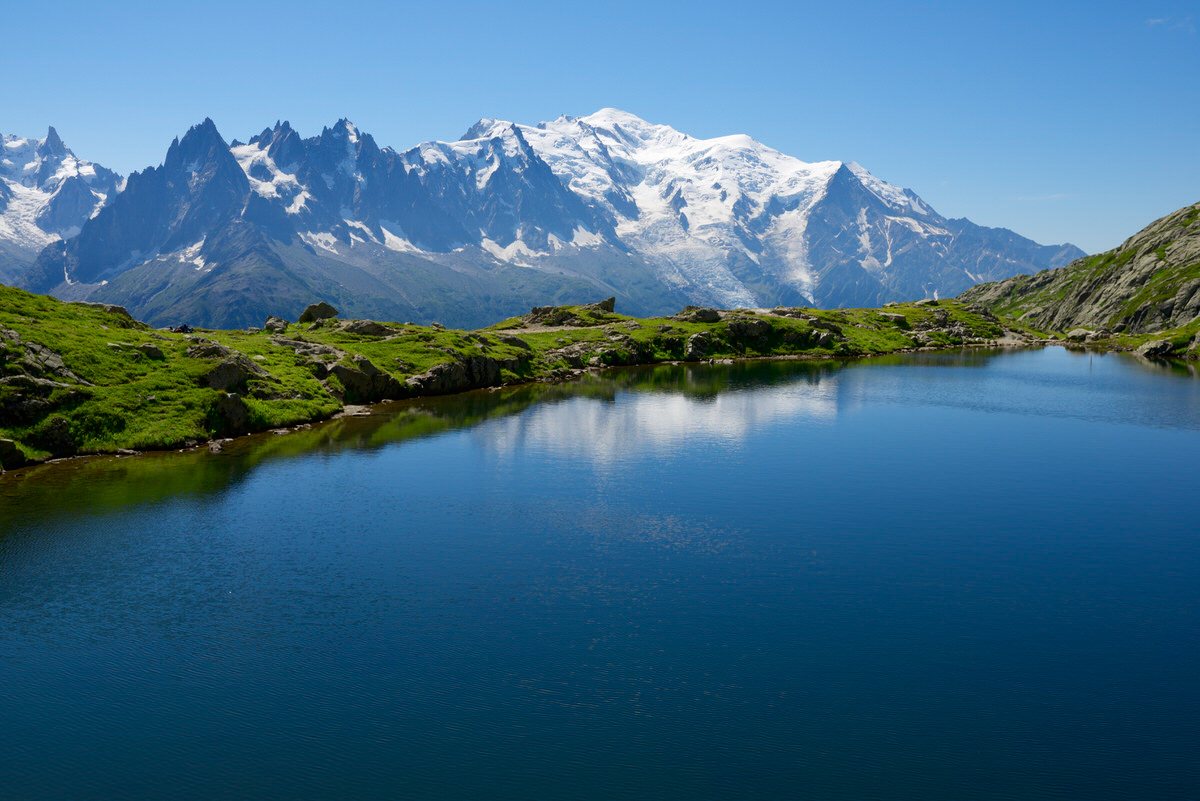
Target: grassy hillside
{"x":78,"y":378}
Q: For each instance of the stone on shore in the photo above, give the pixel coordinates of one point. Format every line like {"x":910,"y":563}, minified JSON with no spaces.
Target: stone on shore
{"x":1156,"y":347}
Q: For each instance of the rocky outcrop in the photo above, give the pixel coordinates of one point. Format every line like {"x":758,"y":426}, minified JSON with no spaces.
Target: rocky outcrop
{"x":749,"y":332}
{"x":229,"y":414}
{"x":472,"y":372}
{"x":19,"y":357}
{"x":584,"y":316}
{"x":1150,"y":283}
{"x":53,"y":435}
{"x":114,"y":309}
{"x":25,"y":399}
{"x":515,"y":341}
{"x":365,"y":383}
{"x":232,"y":373}
{"x":607,"y":306}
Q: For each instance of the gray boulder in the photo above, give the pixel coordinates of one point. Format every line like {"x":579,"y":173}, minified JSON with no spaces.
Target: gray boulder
{"x":515,"y":341}
{"x":696,"y":314}
{"x":233,"y":372}
{"x":368,"y":328}
{"x":276,"y":325}
{"x":364,"y":382}
{"x":151,"y":351}
{"x":318,"y":311}
{"x":698,"y":346}
{"x":1155,"y":348}
{"x":202,"y":348}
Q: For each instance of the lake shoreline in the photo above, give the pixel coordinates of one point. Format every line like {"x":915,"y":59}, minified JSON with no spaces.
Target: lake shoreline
{"x":83,"y":380}
{"x":216,"y":445}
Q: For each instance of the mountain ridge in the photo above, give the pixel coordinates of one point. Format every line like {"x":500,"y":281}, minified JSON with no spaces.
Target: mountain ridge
{"x":1148,"y":283}
{"x":606,"y":203}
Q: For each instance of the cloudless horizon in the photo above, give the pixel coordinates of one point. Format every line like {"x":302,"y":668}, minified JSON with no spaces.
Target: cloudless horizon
{"x":1066,"y":122}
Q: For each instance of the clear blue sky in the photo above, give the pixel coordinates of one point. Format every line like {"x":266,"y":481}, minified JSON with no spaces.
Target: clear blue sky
{"x":1064,"y":121}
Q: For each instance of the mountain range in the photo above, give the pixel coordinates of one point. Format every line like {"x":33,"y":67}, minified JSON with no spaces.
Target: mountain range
{"x":466,"y":232}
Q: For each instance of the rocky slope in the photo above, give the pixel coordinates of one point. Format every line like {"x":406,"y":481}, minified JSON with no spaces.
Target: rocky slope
{"x":468,"y":231}
{"x":79,"y":378}
{"x":1151,"y":283}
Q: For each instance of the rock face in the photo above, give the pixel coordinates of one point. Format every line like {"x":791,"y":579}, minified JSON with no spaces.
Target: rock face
{"x":1150,"y":283}
{"x":366,"y":383}
{"x":474,"y":372}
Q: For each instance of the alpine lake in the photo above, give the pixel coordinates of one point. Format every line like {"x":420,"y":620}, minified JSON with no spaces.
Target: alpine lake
{"x":960,"y":575}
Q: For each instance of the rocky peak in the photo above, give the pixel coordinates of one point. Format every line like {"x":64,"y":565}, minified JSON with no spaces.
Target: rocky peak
{"x":201,"y":145}
{"x":52,"y":145}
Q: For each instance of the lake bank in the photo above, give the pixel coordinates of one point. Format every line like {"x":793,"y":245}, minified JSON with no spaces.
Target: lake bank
{"x":83,"y":379}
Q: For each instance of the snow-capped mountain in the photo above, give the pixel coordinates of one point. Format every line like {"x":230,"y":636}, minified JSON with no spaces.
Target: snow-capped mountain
{"x":511,"y":216}
{"x":46,"y":193}
{"x":732,"y":222}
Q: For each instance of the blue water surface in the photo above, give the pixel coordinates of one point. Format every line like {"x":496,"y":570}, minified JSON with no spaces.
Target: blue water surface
{"x":942,"y":576}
